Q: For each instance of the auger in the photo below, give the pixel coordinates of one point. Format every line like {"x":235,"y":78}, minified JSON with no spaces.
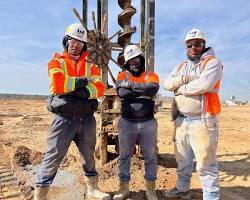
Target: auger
{"x":100,"y":50}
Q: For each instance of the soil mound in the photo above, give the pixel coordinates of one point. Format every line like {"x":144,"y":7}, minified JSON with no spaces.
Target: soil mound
{"x":23,"y":156}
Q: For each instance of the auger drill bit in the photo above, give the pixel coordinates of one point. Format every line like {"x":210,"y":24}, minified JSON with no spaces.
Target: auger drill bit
{"x":124,"y":20}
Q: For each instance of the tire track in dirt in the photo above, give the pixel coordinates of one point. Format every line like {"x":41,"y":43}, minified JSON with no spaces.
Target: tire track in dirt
{"x":8,"y":182}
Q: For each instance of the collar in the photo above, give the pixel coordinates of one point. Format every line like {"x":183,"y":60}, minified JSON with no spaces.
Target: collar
{"x":67,"y":56}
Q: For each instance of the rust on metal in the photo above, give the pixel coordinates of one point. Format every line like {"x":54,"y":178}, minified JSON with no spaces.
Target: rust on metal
{"x":125,"y":17}
{"x":100,"y":50}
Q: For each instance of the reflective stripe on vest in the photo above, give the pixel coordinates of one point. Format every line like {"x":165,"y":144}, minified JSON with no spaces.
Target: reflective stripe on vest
{"x":93,"y":92}
{"x":63,"y":65}
{"x":53,"y":71}
{"x":87,"y":69}
{"x":69,"y":82}
{"x":95,"y":79}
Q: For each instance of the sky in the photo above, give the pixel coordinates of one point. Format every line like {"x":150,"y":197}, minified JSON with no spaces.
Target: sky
{"x":32,"y":31}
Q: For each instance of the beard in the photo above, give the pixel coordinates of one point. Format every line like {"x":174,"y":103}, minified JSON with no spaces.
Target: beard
{"x":198,"y":56}
{"x":195,"y":58}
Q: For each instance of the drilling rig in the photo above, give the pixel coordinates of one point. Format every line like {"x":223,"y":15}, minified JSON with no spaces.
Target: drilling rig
{"x":100,"y":47}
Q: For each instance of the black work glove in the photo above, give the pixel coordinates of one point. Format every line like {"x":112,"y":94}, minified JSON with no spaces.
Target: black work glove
{"x":81,"y":82}
{"x":82,"y":93}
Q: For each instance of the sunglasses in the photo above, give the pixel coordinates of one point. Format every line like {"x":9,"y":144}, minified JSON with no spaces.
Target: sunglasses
{"x":200,"y":44}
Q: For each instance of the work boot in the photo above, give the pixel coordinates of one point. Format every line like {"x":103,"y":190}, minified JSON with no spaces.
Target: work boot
{"x":174,"y":192}
{"x":93,"y":190}
{"x":123,"y":191}
{"x":40,"y":193}
{"x":150,"y":192}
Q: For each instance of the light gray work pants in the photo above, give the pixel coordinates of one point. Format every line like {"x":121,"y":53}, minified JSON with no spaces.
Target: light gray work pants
{"x":197,"y":138}
{"x":62,"y":132}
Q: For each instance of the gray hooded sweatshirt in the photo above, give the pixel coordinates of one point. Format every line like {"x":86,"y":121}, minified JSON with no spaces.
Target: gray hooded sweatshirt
{"x":189,"y":94}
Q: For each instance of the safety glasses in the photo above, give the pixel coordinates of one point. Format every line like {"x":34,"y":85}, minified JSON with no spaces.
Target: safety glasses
{"x":74,"y":42}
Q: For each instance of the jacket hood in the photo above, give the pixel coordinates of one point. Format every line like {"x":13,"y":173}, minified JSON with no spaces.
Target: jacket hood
{"x":208,"y":51}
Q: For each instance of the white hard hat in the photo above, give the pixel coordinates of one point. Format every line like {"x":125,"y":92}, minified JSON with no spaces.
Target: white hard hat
{"x":195,"y":34}
{"x":131,"y":51}
{"x":77,"y":31}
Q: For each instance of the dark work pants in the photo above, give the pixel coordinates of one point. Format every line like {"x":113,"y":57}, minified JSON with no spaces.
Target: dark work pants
{"x":62,"y":132}
{"x":146,"y":133}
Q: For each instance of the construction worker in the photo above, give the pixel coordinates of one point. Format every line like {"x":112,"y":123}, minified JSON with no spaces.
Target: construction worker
{"x":136,"y":89}
{"x":196,"y":84}
{"x":75,"y":85}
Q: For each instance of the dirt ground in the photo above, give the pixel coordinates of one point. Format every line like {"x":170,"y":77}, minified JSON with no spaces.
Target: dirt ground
{"x":23,"y":133}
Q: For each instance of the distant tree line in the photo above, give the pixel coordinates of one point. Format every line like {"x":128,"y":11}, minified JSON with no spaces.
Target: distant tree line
{"x":159,"y":97}
{"x":23,"y":96}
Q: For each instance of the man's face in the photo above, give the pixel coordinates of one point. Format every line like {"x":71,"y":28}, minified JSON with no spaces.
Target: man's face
{"x":75,"y":47}
{"x":194,"y":48}
{"x":135,"y":64}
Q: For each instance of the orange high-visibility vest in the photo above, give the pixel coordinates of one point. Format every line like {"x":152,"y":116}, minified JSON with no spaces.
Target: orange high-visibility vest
{"x":145,"y":77}
{"x":63,"y":71}
{"x":211,"y":100}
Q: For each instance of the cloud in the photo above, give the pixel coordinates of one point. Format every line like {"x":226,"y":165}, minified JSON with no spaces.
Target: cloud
{"x":226,"y":27}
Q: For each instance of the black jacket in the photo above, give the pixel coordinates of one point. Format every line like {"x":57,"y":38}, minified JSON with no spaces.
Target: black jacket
{"x":137,"y":102}
{"x":71,"y":105}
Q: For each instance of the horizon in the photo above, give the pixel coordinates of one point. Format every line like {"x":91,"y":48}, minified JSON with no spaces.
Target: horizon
{"x":162,"y":95}
{"x":31,"y":41}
